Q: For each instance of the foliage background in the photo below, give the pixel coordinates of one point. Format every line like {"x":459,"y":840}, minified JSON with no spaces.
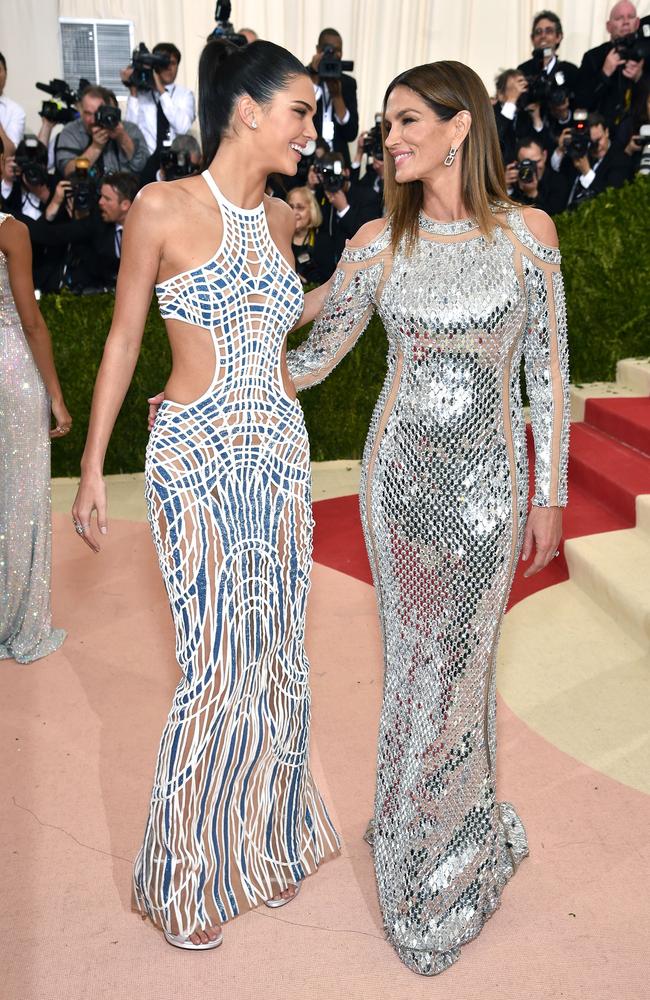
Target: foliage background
{"x":606,"y":265}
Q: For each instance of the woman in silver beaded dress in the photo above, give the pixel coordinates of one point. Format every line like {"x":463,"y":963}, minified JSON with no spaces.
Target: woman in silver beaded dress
{"x":29,"y":391}
{"x":465,"y":284}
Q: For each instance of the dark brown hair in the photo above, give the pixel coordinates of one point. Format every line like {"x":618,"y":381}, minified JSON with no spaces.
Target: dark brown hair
{"x":449,"y":87}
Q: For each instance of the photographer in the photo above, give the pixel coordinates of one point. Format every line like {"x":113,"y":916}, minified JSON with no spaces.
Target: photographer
{"x":629,"y":137}
{"x":101,"y":137}
{"x":554,"y":77}
{"x":337,"y":117}
{"x":610,"y":73}
{"x":160,"y":107}
{"x":370,"y":146}
{"x":345,"y":206}
{"x":181,"y":159}
{"x":26,"y":185}
{"x":513,"y":119}
{"x":531,"y":182}
{"x":599,"y":166}
{"x":12,"y":116}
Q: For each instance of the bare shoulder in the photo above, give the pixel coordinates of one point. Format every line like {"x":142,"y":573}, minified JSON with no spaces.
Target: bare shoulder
{"x":14,"y":235}
{"x":540,"y":225}
{"x":368,"y":233}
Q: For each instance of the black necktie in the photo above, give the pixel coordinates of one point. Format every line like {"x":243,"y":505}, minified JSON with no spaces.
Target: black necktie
{"x":162,"y":126}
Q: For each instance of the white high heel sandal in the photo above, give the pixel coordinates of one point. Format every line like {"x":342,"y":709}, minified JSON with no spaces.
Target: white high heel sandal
{"x":179,"y":941}
{"x":274,"y":903}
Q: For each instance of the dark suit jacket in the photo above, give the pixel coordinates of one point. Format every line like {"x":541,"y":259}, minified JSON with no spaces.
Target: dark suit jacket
{"x":86,"y":247}
{"x":343,"y":134}
{"x":552,"y":193}
{"x":613,"y":171}
{"x":363,"y":208}
{"x":609,"y":95}
{"x":569,"y":69}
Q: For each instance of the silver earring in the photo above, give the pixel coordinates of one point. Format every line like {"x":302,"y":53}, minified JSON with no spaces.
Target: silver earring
{"x":253,"y":124}
{"x":451,"y":156}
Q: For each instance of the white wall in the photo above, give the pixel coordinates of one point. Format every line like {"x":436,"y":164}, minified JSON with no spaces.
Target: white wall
{"x":382,"y":36}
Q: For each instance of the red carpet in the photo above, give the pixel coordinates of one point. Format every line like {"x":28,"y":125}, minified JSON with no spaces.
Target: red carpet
{"x":627,"y":420}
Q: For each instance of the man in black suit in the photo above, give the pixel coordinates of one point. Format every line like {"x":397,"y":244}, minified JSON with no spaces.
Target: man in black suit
{"x":345,"y":206}
{"x":607,"y":80}
{"x":546,"y":36}
{"x":337,"y":117}
{"x":603,"y":167}
{"x":116,"y":195}
{"x":531,"y":181}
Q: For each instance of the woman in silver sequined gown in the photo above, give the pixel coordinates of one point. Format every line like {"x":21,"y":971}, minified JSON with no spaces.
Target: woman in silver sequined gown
{"x":444,"y":492}
{"x":29,"y":391}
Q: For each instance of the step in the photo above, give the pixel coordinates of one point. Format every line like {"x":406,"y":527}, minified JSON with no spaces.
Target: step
{"x":612,"y":472}
{"x":643,"y":514}
{"x":626,"y":420}
{"x":579,"y":394}
{"x":613,"y":569}
{"x":635,"y":374}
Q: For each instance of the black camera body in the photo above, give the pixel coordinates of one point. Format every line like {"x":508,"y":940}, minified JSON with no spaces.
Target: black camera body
{"x":83,"y":189}
{"x":372,"y":144}
{"x":331,"y":175}
{"x":143,"y":63}
{"x":527,"y":171}
{"x":635,"y":46}
{"x":578,"y":144}
{"x":108,"y":116}
{"x":543,"y":88}
{"x":31,"y":161}
{"x":60,"y":110}
{"x":331,"y":67}
{"x":224,"y":28}
{"x":177,"y":163}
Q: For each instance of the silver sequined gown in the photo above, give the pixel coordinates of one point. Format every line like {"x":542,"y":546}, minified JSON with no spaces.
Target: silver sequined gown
{"x":444,"y":501}
{"x":26,"y":631}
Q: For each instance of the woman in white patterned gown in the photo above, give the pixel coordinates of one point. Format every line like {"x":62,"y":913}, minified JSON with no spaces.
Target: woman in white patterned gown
{"x":30,"y":394}
{"x":235,"y":818}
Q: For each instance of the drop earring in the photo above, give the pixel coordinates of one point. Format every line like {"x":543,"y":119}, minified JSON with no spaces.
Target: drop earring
{"x":451,"y":156}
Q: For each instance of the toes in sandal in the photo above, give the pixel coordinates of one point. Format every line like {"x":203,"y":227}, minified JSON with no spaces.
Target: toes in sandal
{"x":180,"y":941}
{"x":274,"y":903}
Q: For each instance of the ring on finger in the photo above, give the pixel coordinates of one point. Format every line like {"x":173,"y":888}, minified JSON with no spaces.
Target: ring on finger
{"x":79,"y":528}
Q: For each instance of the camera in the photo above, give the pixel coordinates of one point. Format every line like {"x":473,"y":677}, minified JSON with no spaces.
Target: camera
{"x":543,"y":88}
{"x":177,"y":163}
{"x":330,"y":66}
{"x":635,"y":46}
{"x":527,"y":171}
{"x":578,"y":144}
{"x":372,"y":144}
{"x":60,"y":110}
{"x":83,"y":190}
{"x":107,"y":116}
{"x":331,"y":175}
{"x":224,"y":28}
{"x":143,"y":63}
{"x":31,"y":161}
{"x":644,"y":139}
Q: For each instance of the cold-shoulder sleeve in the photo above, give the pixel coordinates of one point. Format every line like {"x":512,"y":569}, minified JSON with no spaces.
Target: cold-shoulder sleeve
{"x":346,"y":313}
{"x":546,"y":364}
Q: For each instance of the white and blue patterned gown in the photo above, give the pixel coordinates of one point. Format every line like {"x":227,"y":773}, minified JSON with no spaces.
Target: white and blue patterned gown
{"x":235,"y":816}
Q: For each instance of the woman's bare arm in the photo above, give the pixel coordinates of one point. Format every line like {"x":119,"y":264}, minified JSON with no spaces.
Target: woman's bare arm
{"x":16,"y":246}
{"x":141,"y":250}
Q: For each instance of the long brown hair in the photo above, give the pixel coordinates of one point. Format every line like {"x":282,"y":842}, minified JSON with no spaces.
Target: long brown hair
{"x":448,"y":87}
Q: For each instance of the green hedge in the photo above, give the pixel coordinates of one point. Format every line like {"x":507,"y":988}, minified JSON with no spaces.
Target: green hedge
{"x":606,"y":264}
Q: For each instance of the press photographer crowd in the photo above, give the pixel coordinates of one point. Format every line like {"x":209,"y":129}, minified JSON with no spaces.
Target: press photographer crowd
{"x":566,"y":132}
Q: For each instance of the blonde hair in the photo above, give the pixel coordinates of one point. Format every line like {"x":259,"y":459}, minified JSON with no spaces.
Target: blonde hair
{"x":448,"y":87}
{"x":315,"y":214}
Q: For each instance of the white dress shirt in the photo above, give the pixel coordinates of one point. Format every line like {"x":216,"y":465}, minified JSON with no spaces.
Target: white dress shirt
{"x":178,"y":105}
{"x":327,"y":128}
{"x":12,"y":119}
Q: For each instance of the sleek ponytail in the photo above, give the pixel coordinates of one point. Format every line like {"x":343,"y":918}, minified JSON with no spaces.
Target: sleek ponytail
{"x":227,"y":72}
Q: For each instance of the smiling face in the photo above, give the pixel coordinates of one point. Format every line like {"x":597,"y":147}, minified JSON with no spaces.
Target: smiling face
{"x":416,"y":138}
{"x":301,"y":212}
{"x":285,"y":125}
{"x":545,"y":34}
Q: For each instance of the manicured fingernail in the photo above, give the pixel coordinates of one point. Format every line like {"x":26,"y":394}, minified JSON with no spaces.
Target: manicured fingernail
{"x":103,"y":530}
